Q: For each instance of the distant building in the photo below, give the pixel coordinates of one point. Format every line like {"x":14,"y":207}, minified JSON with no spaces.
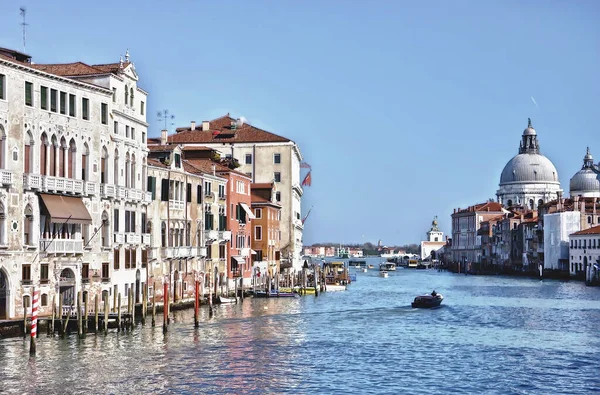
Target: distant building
{"x":267,"y":233}
{"x":584,"y":253}
{"x":466,"y":243}
{"x":435,"y":241}
{"x":586,"y":182}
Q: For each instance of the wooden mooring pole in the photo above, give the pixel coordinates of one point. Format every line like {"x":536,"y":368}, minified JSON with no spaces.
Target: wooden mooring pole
{"x":79,"y":324}
{"x":96,"y":307}
{"x":154,"y":305}
{"x":106,"y":308}
{"x":144,"y":303}
{"x":60,"y":313}
{"x":34,"y":315}
{"x":119,"y":324}
{"x":132,"y":321}
{"x":51,"y":326}
{"x":165,"y":306}
{"x":196,"y":303}
{"x":85,"y":314}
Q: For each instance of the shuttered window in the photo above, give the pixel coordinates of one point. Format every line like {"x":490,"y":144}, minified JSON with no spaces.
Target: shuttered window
{"x":164,"y":190}
{"x":43,"y":98}
{"x":28,"y":94}
{"x":2,"y":85}
{"x":189,"y":193}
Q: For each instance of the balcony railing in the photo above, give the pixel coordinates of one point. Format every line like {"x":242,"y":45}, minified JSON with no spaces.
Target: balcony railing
{"x":121,"y":192}
{"x":132,"y":238}
{"x":152,"y":253}
{"x":211,"y":235}
{"x":119,"y":238}
{"x":225,"y":235}
{"x":108,"y":190}
{"x":167,"y":252}
{"x":57,"y":184}
{"x":146,"y":239}
{"x":134,"y":194}
{"x":201,"y":251}
{"x":176,"y":204}
{"x":6,"y":177}
{"x":61,"y":246}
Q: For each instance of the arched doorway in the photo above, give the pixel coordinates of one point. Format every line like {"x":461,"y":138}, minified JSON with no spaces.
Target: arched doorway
{"x":67,"y":287}
{"x":137,"y":286}
{"x":3,"y":295}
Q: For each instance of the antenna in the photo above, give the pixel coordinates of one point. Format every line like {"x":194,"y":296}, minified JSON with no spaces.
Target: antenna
{"x":164,"y":116}
{"x":24,"y":24}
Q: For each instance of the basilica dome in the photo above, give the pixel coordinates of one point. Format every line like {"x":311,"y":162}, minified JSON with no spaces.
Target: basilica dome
{"x":586,"y":182}
{"x":529,"y":178}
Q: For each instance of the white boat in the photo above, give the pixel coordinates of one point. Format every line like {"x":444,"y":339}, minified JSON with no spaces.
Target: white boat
{"x":224,"y":300}
{"x":387,"y":267}
{"x":335,"y":288}
{"x":383,"y":274}
{"x":364,"y":270}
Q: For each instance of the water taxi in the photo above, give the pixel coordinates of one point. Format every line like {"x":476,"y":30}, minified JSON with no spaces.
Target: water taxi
{"x":383,"y":274}
{"x":427,"y":301}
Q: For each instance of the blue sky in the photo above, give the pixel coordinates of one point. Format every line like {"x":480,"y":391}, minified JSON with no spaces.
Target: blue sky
{"x":404,"y":110}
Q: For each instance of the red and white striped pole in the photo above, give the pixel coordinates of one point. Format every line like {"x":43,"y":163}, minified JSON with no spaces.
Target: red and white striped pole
{"x":34,"y":317}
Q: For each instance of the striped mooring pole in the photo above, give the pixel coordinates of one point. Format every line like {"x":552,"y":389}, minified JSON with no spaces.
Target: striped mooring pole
{"x":34,"y":318}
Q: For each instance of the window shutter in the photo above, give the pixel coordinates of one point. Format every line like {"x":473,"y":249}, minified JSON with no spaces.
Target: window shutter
{"x":164,"y":190}
{"x":189,"y":193}
{"x":199,"y":194}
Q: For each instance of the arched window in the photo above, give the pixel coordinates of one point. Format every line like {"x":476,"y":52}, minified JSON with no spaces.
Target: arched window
{"x":144,"y":177}
{"x":589,"y":219}
{"x":43,"y":154}
{"x":62,"y":153}
{"x":531,"y":204}
{"x":132,"y":172}
{"x":2,"y":147}
{"x":509,"y":203}
{"x":163,"y":234}
{"x":540,"y":202}
{"x":116,"y":168}
{"x":28,"y":159}
{"x":44,"y":300}
{"x":53,"y":149}
{"x":85,"y":165}
{"x":28,"y":226}
{"x":104,"y":166}
{"x":127,"y":170}
{"x":2,"y":225}
{"x":105,"y":230}
{"x":131,"y":96}
{"x":188,"y":234}
{"x":72,"y":159}
{"x":126,"y":95}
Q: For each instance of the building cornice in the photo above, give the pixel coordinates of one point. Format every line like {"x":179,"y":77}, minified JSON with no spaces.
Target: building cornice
{"x":124,"y":115}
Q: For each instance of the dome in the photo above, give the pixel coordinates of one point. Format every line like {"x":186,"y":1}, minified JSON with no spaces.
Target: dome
{"x":529,"y":132}
{"x":528,"y":168}
{"x":585,"y":181}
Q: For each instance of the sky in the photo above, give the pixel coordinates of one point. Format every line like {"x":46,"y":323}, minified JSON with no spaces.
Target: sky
{"x":405,"y":110}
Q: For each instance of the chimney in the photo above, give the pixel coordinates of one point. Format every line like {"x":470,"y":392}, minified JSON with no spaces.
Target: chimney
{"x":193,"y":127}
{"x":214,"y":168}
{"x":205,"y":126}
{"x":163,"y":136}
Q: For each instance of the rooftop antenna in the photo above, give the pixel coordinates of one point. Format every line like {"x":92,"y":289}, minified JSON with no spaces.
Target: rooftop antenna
{"x":164,"y":116}
{"x":24,"y":24}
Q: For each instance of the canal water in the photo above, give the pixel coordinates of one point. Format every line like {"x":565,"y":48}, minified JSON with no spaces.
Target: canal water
{"x":492,"y":335}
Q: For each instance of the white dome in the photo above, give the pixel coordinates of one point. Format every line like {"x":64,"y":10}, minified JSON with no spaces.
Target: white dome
{"x":586,"y":182}
{"x":529,"y":168}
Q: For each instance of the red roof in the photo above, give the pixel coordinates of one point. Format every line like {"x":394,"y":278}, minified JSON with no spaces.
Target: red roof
{"x":155,"y":162}
{"x":206,"y":166}
{"x":264,"y":185}
{"x":487,"y":206}
{"x":595,"y":230}
{"x":221,"y":131}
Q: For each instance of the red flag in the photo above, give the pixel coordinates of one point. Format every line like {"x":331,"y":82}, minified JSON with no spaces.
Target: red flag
{"x":305,"y":165}
{"x":307,"y":180}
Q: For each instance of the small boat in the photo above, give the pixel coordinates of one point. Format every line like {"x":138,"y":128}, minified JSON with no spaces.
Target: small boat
{"x":224,"y":300}
{"x":304,"y":291}
{"x":371,"y":267}
{"x":364,"y":270}
{"x":275,"y":294}
{"x":427,"y":301}
{"x":335,"y":287}
{"x":383,"y":274}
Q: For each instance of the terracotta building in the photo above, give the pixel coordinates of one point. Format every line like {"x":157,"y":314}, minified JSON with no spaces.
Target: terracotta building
{"x":266,"y":229}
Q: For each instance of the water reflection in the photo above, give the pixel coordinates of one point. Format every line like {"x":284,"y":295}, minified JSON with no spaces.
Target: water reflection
{"x":492,"y":334}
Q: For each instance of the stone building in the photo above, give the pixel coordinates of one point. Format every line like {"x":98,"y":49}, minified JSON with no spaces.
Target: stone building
{"x":529,"y":178}
{"x":435,"y":241}
{"x":584,"y":255}
{"x":263,"y":156}
{"x":267,"y":231}
{"x":73,"y":165}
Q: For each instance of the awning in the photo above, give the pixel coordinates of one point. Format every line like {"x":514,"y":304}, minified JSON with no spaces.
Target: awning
{"x":239,"y":259}
{"x":66,"y":209}
{"x":248,"y":211}
{"x":253,"y":252}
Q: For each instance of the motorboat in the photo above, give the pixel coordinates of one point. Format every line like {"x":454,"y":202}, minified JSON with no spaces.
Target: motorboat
{"x":275,"y":294}
{"x":224,"y":300}
{"x":335,"y":287}
{"x":383,"y":274}
{"x":427,"y":301}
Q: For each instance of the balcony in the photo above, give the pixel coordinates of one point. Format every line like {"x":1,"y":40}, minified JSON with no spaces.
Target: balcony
{"x":212,"y":235}
{"x":108,"y":191}
{"x":193,"y":251}
{"x":147,"y":197}
{"x":225,"y":235}
{"x":146,"y":239}
{"x":132,"y":238}
{"x":6,"y":177}
{"x":168,"y":252}
{"x":176,"y":204}
{"x":201,"y":251}
{"x":56,"y":184}
{"x":119,"y":238}
{"x":121,"y":192}
{"x":134,"y":194}
{"x":222,"y":197}
{"x":90,"y":188}
{"x":62,"y":246}
{"x":152,"y":253}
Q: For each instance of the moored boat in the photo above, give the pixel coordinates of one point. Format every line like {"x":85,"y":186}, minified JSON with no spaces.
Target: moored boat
{"x":428,"y":301}
{"x":383,"y":274}
{"x":335,"y":287}
{"x":224,"y":300}
{"x":275,"y":294}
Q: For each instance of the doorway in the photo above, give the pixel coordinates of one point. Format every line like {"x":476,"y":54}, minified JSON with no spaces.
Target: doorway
{"x":3,"y":295}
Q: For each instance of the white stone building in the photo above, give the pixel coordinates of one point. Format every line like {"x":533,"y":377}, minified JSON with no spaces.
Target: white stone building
{"x":529,"y":178}
{"x":73,"y":166}
{"x":584,"y":254}
{"x":435,"y":241}
{"x":557,"y":228}
{"x":264,"y":156}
